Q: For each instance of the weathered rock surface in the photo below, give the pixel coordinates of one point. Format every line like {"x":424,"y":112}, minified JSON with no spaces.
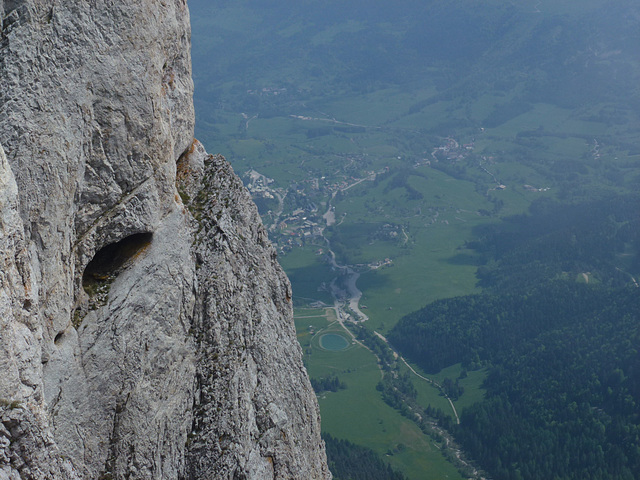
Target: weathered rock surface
{"x":138,"y":338}
{"x":249,"y":366}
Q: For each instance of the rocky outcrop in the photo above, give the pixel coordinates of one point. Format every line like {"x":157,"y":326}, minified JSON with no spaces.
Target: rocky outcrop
{"x":140,"y":338}
{"x":245,"y":366}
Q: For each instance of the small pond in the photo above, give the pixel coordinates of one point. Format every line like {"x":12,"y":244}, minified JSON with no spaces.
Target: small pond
{"x":333,"y":342}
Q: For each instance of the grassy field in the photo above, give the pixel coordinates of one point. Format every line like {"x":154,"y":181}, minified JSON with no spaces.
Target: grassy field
{"x":307,"y":273}
{"x":358,"y":413}
{"x":430,"y":395}
{"x":345,"y":108}
{"x":428,"y":255}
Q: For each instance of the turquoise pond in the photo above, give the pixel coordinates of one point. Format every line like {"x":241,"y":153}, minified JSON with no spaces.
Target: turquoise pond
{"x":333,"y":342}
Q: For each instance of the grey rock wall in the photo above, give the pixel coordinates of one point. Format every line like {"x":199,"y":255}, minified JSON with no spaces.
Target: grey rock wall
{"x":139,"y":338}
{"x":252,"y":401}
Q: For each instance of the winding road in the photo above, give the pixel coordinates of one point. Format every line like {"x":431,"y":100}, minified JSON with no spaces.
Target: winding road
{"x":432,"y":382}
{"x":350,"y":297}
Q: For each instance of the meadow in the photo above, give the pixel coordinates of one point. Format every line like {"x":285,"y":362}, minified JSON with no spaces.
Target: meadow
{"x":357,"y":413}
{"x":447,"y":137}
{"x":429,"y":255}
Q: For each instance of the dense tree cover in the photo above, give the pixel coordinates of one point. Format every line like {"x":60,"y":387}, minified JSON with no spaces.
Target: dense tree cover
{"x":348,"y":461}
{"x":396,"y":389}
{"x":557,"y":239}
{"x":567,"y":404}
{"x":452,"y":388}
{"x":563,"y":391}
{"x":480,"y":328}
{"x":399,"y":392}
{"x":376,"y":345}
{"x":327,"y":384}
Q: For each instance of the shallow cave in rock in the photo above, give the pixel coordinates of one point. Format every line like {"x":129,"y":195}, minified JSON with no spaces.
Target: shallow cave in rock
{"x":110,"y":260}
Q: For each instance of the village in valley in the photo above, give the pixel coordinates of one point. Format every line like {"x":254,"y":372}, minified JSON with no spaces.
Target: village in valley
{"x":298,"y":215}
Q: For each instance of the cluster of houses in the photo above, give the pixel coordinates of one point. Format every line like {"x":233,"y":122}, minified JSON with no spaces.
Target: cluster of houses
{"x":452,"y":150}
{"x":302,"y":223}
{"x":266,"y":91}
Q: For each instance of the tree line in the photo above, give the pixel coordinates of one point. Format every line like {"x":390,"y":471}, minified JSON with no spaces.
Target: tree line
{"x":563,"y":389}
{"x":348,"y":461}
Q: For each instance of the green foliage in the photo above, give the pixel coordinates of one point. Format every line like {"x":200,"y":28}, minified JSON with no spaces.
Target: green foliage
{"x":396,"y":389}
{"x":348,"y":461}
{"x":548,"y":96}
{"x":327,"y":384}
{"x":507,"y":111}
{"x":475,"y":328}
{"x":567,"y":404}
{"x":375,"y":344}
{"x":563,"y":380}
{"x":452,"y":388}
{"x":563,"y":390}
{"x":358,"y":413}
{"x":556,"y":239}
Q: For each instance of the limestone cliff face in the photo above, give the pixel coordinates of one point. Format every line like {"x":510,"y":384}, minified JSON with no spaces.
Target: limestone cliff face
{"x":145,"y":326}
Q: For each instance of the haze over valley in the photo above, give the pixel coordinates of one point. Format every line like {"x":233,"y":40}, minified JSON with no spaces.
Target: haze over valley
{"x":452,"y":188}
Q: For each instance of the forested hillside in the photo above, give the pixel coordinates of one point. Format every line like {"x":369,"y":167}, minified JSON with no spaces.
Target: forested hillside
{"x":559,"y":330}
{"x":482,"y":155}
{"x":565,"y":404}
{"x":348,"y":461}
